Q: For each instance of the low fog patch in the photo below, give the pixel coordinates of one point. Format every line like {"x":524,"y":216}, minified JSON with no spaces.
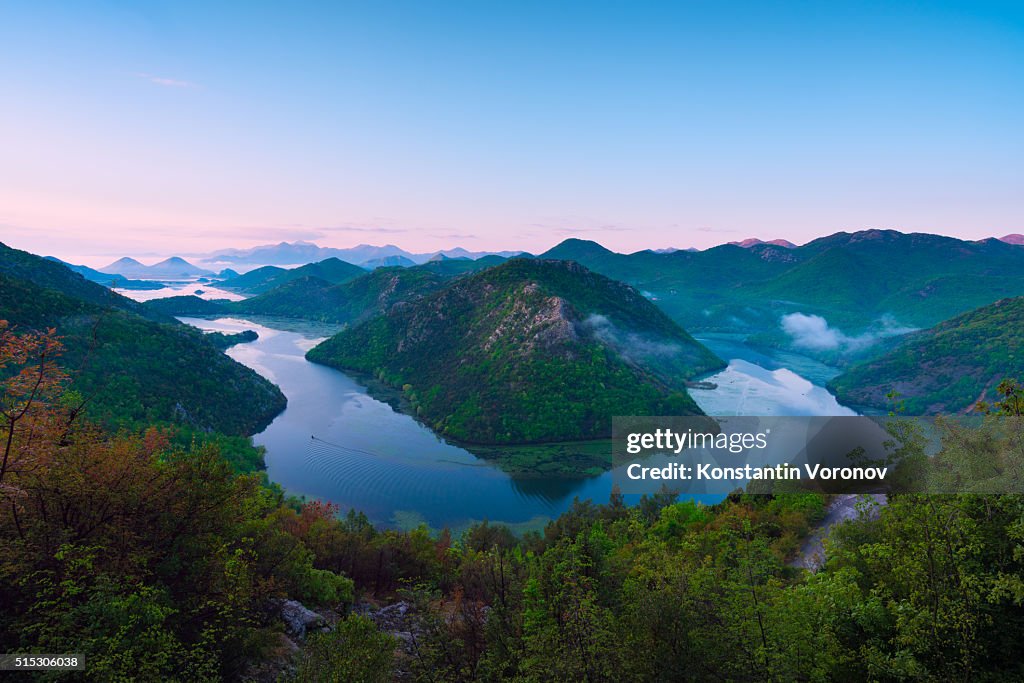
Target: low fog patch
{"x":813,"y":332}
{"x":630,"y":345}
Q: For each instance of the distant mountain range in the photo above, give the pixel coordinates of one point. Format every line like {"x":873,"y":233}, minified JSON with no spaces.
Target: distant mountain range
{"x":848,"y":290}
{"x":753,"y":241}
{"x":849,"y":299}
{"x":852,"y":280}
{"x":365,"y":255}
{"x":113,"y":280}
{"x":388,"y":262}
{"x":174,"y":268}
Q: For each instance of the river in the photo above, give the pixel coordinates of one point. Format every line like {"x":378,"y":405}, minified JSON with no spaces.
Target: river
{"x":336,"y":442}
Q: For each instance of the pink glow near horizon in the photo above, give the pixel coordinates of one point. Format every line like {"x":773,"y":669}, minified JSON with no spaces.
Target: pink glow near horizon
{"x":99,"y":236}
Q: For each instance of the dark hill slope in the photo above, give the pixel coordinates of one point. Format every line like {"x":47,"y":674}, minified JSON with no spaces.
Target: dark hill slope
{"x":189,"y":304}
{"x":332,"y":270}
{"x":945,"y":369}
{"x":312,"y":298}
{"x":700,"y":290}
{"x":452,"y":267}
{"x":529,"y":351}
{"x":254,"y":279}
{"x":54,"y":275}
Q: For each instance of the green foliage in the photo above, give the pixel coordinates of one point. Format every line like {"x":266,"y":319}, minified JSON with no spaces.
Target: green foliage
{"x":238,"y":451}
{"x":355,"y":652}
{"x":167,"y":576}
{"x":151,"y":555}
{"x":134,"y":371}
{"x":160,"y":566}
{"x":940,"y":578}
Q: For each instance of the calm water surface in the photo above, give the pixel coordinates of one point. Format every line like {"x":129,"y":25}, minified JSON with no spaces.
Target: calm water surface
{"x":337,"y":443}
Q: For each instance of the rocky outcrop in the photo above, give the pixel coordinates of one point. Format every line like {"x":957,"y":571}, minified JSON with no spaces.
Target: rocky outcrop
{"x":396,"y":619}
{"x":300,"y":620}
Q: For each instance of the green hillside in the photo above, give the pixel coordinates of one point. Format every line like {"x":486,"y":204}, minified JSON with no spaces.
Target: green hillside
{"x":264,"y":279}
{"x":919,"y":279}
{"x":186,"y":305}
{"x":529,"y":351}
{"x":452,"y":267}
{"x":54,"y":275}
{"x":312,"y":298}
{"x":253,"y":279}
{"x":129,"y":368}
{"x":304,"y":297}
{"x":851,"y":279}
{"x":945,"y":369}
{"x":699,"y":290}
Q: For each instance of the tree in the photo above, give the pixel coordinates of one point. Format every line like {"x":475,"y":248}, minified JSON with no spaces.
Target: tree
{"x":33,"y":381}
{"x":355,"y":652}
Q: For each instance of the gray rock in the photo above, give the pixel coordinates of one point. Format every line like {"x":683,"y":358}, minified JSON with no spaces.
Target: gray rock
{"x":299,"y":619}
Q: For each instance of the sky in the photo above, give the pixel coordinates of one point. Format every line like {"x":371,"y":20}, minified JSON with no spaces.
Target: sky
{"x":149,"y":129}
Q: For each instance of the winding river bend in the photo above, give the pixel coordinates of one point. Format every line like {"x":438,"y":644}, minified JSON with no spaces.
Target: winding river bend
{"x":335,"y":442}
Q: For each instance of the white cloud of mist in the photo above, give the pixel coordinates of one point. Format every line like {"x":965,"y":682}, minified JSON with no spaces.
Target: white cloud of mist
{"x":813,"y":332}
{"x":630,"y":345}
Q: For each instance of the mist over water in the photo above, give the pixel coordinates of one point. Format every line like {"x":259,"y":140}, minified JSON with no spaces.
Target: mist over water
{"x":203,"y":291}
{"x":814,"y":332}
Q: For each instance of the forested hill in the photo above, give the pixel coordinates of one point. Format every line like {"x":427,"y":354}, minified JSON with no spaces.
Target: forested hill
{"x":313,"y":298}
{"x":332,"y":270}
{"x":944,"y":369}
{"x":54,"y":275}
{"x":528,"y":351}
{"x":851,"y":279}
{"x":128,"y":368}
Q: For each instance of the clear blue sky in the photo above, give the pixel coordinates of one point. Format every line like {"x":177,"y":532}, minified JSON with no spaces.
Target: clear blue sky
{"x":151,"y":128}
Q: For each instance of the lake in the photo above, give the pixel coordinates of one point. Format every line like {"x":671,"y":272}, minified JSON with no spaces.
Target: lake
{"x":200,"y":289}
{"x":336,"y":442}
